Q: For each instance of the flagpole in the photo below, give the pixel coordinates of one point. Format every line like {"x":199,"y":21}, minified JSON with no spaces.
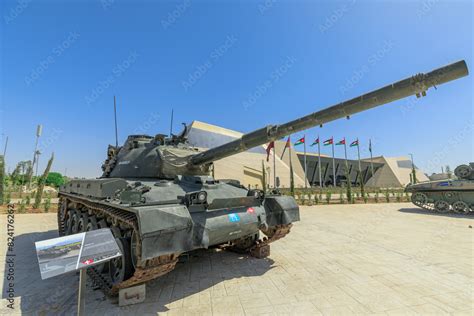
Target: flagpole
{"x":291,"y":168}
{"x":305,"y":175}
{"x":319,"y":162}
{"x":358,"y":157}
{"x":333,"y":164}
{"x":345,"y":155}
{"x":371,"y":162}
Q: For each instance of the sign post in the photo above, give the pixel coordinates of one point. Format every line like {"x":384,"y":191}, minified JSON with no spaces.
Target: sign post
{"x":76,"y":252}
{"x":81,"y":298}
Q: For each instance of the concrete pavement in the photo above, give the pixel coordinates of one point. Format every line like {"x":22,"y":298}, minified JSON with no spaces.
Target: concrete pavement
{"x":385,"y":259}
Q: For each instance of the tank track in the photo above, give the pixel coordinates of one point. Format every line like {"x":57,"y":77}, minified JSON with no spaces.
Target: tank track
{"x":261,"y":247}
{"x":431,"y":206}
{"x":147,"y":271}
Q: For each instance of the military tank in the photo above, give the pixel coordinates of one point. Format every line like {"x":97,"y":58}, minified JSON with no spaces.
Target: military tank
{"x":443,"y":196}
{"x":158,"y":198}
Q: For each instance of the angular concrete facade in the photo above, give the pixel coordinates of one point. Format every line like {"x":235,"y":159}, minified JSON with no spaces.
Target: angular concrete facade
{"x":395,"y":172}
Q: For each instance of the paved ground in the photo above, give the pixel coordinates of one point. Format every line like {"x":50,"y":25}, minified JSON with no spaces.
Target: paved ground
{"x":358,"y":259}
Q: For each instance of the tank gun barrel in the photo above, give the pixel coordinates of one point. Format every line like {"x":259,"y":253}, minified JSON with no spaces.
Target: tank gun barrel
{"x":415,"y":85}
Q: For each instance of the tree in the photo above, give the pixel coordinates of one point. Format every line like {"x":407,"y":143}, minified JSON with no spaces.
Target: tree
{"x":55,"y":179}
{"x":39,"y":190}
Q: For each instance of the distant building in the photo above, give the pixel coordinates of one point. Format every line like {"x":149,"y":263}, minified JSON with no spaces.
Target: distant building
{"x":327,"y":169}
{"x":247,"y":166}
{"x":394,"y":173}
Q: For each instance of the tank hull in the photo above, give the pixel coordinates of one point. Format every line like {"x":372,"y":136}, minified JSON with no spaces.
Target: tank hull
{"x":444,"y":196}
{"x":156,"y":229}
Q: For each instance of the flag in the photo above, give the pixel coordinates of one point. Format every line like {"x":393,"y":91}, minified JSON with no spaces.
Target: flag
{"x":341,"y":142}
{"x":370,"y":145}
{"x":287,"y":145}
{"x":315,"y":142}
{"x":269,"y":148}
{"x":354,"y":143}
{"x":328,"y":142}
{"x":300,"y":141}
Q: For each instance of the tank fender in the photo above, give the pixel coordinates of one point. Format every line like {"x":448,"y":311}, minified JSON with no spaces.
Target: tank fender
{"x":281,"y":210}
{"x":164,"y":230}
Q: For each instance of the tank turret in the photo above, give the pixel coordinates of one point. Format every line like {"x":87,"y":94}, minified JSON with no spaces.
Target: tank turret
{"x":162,"y":157}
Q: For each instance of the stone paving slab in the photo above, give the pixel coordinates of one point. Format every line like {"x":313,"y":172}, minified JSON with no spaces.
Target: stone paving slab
{"x":379,"y":259}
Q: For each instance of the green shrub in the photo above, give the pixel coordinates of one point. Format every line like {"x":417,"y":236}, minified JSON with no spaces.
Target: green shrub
{"x":47,"y":204}
{"x":366,"y":197}
{"x":28,"y":200}
{"x":328,"y":197}
{"x":341,"y":197}
{"x":22,"y":207}
{"x":376,"y":196}
{"x":8,"y":197}
{"x":387,"y":196}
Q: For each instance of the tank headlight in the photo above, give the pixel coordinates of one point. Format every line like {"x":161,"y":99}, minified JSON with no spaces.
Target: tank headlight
{"x":202,"y":197}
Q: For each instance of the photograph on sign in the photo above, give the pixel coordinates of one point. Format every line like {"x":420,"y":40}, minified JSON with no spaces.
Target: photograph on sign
{"x":59,"y":255}
{"x":69,"y":253}
{"x":98,"y":246}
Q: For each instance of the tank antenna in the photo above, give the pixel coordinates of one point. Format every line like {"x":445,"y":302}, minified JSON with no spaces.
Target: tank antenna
{"x":115,"y":117}
{"x":171,"y":123}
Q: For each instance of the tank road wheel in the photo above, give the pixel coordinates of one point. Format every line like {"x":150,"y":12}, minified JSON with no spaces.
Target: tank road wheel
{"x":120,"y":268}
{"x":68,"y":222}
{"x":134,"y":248}
{"x":419,"y":199}
{"x":82,"y":224}
{"x":92,"y":224}
{"x":441,"y":206}
{"x":102,"y":224}
{"x":75,"y":222}
{"x":461,"y":207}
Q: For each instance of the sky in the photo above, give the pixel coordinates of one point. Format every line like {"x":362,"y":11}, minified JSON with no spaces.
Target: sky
{"x":237,"y":64}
